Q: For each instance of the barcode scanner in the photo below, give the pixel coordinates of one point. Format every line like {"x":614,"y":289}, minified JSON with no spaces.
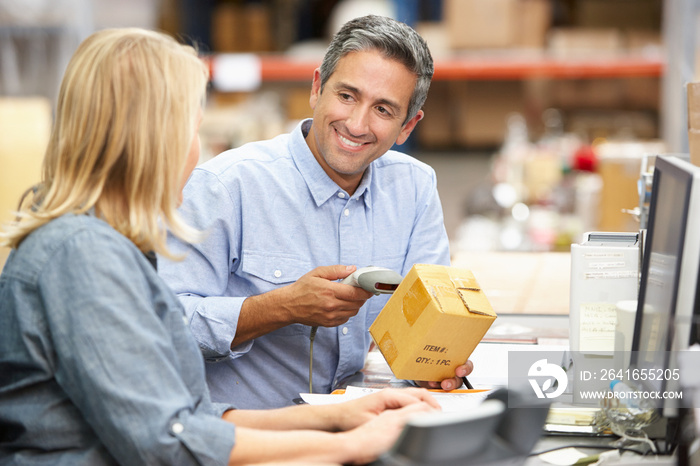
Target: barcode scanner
{"x":377,"y":280}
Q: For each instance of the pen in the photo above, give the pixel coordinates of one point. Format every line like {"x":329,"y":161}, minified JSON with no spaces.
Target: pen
{"x":467,"y":384}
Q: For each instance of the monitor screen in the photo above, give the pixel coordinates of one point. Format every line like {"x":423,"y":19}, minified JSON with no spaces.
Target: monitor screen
{"x":669,"y":278}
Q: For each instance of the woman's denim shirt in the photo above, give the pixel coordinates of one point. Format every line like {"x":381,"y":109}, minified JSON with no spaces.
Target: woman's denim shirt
{"x":97,"y":363}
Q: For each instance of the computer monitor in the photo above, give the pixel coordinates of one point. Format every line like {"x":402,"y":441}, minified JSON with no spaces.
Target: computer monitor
{"x":667,"y":306}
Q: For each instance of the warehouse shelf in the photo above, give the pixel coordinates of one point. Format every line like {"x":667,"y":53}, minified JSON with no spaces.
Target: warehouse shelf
{"x":279,"y":68}
{"x":620,"y":67}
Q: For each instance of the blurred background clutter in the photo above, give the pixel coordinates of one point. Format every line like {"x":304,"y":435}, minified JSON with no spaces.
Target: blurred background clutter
{"x":537,"y":122}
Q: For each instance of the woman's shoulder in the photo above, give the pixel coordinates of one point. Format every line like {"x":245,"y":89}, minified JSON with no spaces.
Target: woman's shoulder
{"x":79,"y":229}
{"x":70,"y":239}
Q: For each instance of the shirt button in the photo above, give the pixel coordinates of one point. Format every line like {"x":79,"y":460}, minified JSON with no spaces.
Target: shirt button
{"x":341,"y":195}
{"x":347,"y":212}
{"x":345,"y":330}
{"x":178,"y":428}
{"x":278,"y":273}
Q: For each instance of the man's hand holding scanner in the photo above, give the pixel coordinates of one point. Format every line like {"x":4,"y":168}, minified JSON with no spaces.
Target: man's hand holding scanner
{"x":322,"y":301}
{"x":317,"y":299}
{"x":461,"y":372}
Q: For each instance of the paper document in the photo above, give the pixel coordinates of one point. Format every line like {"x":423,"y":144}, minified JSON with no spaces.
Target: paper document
{"x":449,"y":401}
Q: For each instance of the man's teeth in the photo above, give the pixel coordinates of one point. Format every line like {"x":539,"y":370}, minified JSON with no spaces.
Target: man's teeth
{"x":349,"y":142}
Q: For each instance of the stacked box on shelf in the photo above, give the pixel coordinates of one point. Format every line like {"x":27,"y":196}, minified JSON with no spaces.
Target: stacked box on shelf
{"x":241,"y":28}
{"x":482,"y":110}
{"x":436,"y":129}
{"x":623,"y":14}
{"x":585,"y":43}
{"x":497,"y":23}
{"x":469,"y":114}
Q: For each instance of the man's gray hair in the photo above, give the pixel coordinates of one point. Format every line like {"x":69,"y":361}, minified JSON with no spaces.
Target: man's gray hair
{"x":395,"y":40}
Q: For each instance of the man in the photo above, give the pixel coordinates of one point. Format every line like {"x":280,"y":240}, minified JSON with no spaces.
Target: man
{"x":281,"y":213}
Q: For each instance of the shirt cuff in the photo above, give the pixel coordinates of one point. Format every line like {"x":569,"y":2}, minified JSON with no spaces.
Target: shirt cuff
{"x":213,"y":322}
{"x":208,"y":438}
{"x":221,"y":408}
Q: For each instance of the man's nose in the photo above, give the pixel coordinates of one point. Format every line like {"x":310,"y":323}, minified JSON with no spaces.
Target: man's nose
{"x":358,"y":123}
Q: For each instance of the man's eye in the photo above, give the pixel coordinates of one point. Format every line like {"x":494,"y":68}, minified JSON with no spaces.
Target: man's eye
{"x":383,"y":111}
{"x":345,"y":96}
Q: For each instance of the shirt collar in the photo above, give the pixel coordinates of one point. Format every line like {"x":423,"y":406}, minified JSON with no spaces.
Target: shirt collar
{"x":363,"y":189}
{"x":321,"y":186}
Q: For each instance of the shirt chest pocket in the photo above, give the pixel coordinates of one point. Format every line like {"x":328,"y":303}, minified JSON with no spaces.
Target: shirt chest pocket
{"x":268,"y":271}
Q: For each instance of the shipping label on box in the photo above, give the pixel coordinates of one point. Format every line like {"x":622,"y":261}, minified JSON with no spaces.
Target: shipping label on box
{"x":432,"y":322}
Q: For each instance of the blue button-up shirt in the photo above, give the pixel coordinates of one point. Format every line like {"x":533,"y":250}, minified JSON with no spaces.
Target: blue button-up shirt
{"x":97,"y":365}
{"x":272,"y":214}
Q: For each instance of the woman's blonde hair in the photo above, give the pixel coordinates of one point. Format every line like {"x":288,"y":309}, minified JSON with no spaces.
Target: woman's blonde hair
{"x":126,"y":116}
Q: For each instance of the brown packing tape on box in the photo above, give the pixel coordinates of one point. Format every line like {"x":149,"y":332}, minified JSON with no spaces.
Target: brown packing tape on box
{"x":432,"y":322}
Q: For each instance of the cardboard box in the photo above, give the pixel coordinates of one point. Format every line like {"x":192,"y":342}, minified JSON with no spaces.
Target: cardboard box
{"x":435,"y":35}
{"x":225,"y":27}
{"x":642,"y":92}
{"x":474,"y":24}
{"x":623,"y":14}
{"x":619,"y":165}
{"x":587,"y":93}
{"x":482,"y":110}
{"x":613,"y":124}
{"x":436,"y":130}
{"x":644,"y":42}
{"x":694,"y":145}
{"x":619,"y":193}
{"x":241,"y":28}
{"x":432,"y":322}
{"x":534,"y":18}
{"x":693,"y":90}
{"x":570,"y":43}
{"x":297,"y":102}
{"x":480,"y":23}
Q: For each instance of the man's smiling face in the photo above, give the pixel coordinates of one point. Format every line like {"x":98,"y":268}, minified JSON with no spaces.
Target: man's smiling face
{"x":360,"y":114}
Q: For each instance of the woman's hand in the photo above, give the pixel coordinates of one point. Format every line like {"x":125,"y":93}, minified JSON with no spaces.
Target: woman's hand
{"x":376,"y":436}
{"x":354,"y":413}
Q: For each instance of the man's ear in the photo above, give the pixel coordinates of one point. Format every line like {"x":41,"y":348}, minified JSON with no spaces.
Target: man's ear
{"x":315,"y":88}
{"x":408,"y":127}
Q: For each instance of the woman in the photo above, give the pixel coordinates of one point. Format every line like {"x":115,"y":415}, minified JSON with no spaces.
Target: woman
{"x":97,"y":365}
